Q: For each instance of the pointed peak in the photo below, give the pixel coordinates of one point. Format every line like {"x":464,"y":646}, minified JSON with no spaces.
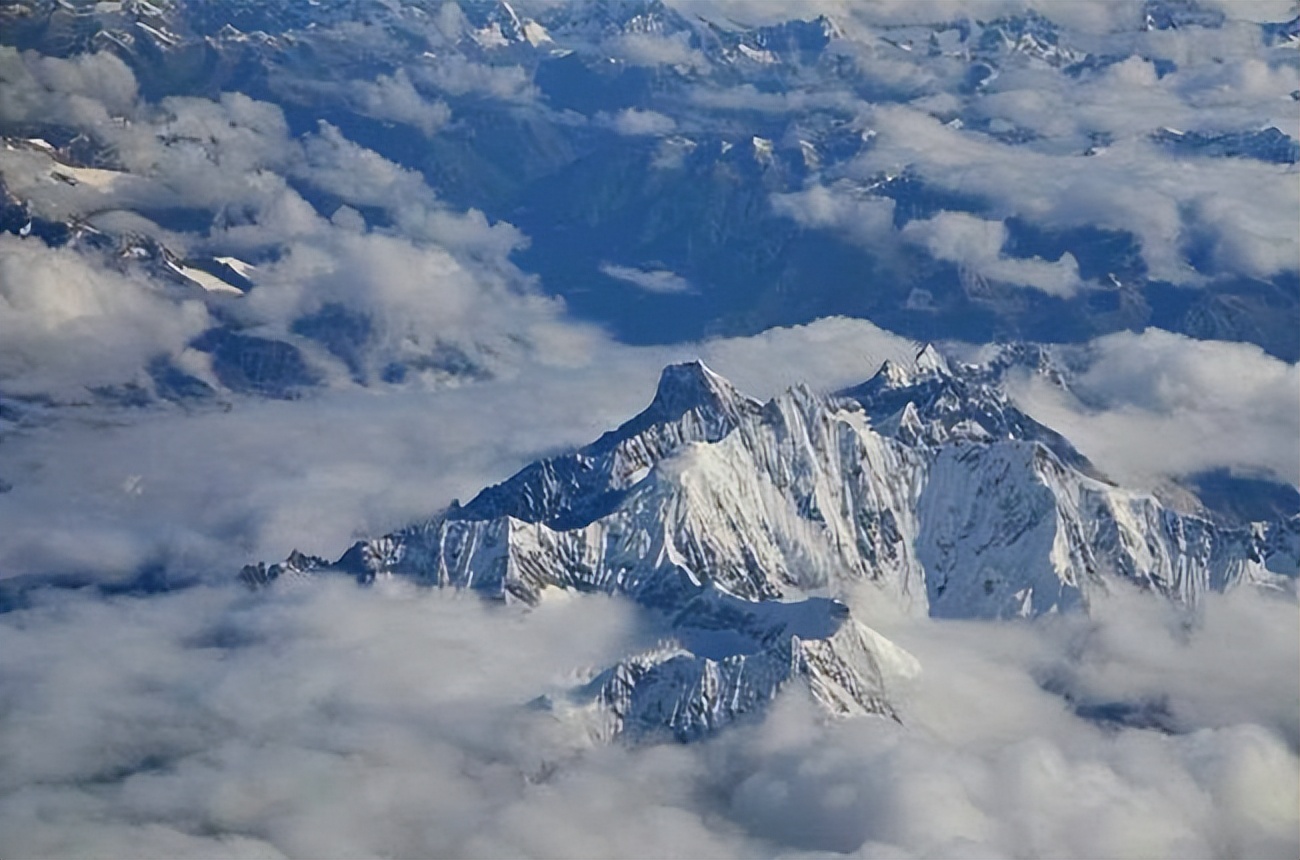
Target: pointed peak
{"x":693,"y":385}
{"x":893,"y":374}
{"x":691,"y":378}
{"x":929,"y":360}
{"x":927,"y":364}
{"x":685,"y":387}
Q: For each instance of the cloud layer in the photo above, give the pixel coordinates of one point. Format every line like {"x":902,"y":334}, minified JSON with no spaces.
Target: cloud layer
{"x":331,"y":719}
{"x":1156,"y":404}
{"x":209,"y":490}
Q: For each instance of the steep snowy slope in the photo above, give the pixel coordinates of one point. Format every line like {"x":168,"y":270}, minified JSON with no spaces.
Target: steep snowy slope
{"x":736,"y":521}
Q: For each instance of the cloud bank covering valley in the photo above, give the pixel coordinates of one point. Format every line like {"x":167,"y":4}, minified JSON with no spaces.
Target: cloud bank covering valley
{"x":324,"y":720}
{"x":482,"y":250}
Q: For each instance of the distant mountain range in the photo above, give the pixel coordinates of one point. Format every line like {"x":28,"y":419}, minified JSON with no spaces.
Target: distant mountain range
{"x":535,"y":95}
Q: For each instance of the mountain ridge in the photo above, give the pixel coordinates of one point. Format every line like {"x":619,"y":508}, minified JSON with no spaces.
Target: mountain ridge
{"x":730,"y":520}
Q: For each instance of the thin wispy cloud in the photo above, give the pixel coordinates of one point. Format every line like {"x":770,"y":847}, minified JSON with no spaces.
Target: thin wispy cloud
{"x":650,"y":280}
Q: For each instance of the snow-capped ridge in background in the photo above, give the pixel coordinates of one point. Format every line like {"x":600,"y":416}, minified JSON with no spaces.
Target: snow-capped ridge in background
{"x":932,"y":403}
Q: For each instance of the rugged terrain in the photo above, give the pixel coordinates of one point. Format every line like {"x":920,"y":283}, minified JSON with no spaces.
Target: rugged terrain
{"x":742,"y":526}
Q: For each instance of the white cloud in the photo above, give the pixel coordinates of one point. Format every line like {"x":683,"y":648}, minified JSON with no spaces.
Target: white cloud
{"x":865,"y":219}
{"x":180,"y":153}
{"x":393,"y":98}
{"x":650,"y":49}
{"x":335,"y":720}
{"x":1253,"y":10}
{"x":650,"y":280}
{"x":1163,"y":404}
{"x":358,"y":175}
{"x":67,"y":322}
{"x":458,"y":76}
{"x":325,"y":722}
{"x":633,"y":123}
{"x":1132,"y":186}
{"x":973,"y":243}
{"x":418,"y":296}
{"x":316,"y":473}
{"x":435,"y":283}
{"x":85,"y":90}
{"x":976,"y":244}
{"x":338,"y":721}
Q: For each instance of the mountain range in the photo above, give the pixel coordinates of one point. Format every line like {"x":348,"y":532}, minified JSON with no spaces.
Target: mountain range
{"x":536,"y":96}
{"x":741,"y":528}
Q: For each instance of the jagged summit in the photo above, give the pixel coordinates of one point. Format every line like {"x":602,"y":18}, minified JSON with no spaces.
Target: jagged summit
{"x":694,"y":385}
{"x":929,"y":360}
{"x":927,"y":363}
{"x":733,"y":523}
{"x":933,"y":402}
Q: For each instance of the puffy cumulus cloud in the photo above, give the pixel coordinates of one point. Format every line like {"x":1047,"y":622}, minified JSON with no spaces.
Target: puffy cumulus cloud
{"x":417,"y":296}
{"x":229,"y":154}
{"x":211,"y":152}
{"x":1240,"y":237}
{"x":56,"y":191}
{"x":458,"y":76}
{"x":976,"y":245}
{"x":333,"y":719}
{"x":865,"y":219}
{"x":973,"y":772}
{"x":1159,"y":404}
{"x":650,"y":280}
{"x":359,"y":176}
{"x":632,"y":122}
{"x":1132,"y":186}
{"x":317,"y":473}
{"x":394,"y":98}
{"x":1226,"y":672}
{"x":100,"y":77}
{"x":434,"y":286}
{"x":653,"y":49}
{"x":235,"y":156}
{"x":469,"y":233}
{"x":327,"y":721}
{"x":433,"y":280}
{"x":83,"y":91}
{"x":67,"y":323}
{"x":1212,"y":87}
{"x":1230,"y":216}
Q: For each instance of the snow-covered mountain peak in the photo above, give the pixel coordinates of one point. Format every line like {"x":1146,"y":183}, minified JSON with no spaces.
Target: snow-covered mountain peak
{"x":927,"y":364}
{"x":933,"y":403}
{"x":738,"y":525}
{"x":929,"y":360}
{"x":694,"y":385}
